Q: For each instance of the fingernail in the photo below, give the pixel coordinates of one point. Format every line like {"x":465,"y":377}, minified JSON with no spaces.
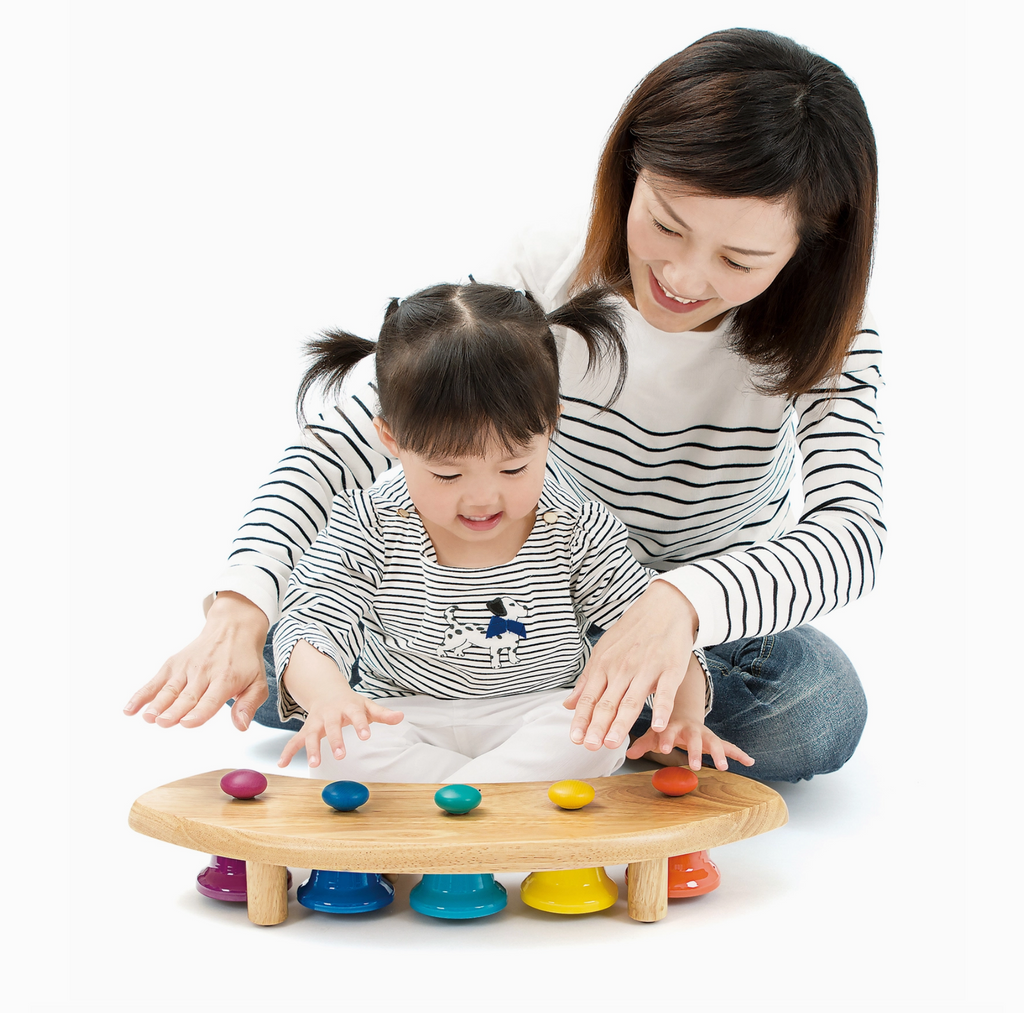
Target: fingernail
{"x":244,"y":718}
{"x":576,"y":736}
{"x":593,"y":740}
{"x":126,"y":707}
{"x":338,"y":753}
{"x":612,"y":740}
{"x":152,"y":712}
{"x":658,"y":726}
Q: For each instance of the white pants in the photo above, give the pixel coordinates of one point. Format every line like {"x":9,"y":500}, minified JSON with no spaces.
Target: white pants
{"x":518,"y":738}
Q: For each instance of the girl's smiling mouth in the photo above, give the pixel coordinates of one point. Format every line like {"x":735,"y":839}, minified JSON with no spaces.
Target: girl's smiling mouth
{"x":485,"y":523}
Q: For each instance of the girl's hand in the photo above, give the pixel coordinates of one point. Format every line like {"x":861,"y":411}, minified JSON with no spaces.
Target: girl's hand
{"x":327,"y":717}
{"x":224,"y":661}
{"x":317,"y":685}
{"x":646,"y":650}
{"x":685,"y":728}
{"x":693,"y":736}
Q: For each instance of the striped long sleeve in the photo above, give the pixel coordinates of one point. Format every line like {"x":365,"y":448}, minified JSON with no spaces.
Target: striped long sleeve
{"x":339,"y":452}
{"x":830,"y":556}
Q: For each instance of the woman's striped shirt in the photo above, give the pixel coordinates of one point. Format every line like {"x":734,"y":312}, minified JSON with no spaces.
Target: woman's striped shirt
{"x":764,"y":512}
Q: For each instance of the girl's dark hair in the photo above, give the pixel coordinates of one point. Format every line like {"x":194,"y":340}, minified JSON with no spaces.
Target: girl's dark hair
{"x":745,"y":113}
{"x":462,"y":366}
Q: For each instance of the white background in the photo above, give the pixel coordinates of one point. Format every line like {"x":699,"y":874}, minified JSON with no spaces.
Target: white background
{"x":244,"y":174}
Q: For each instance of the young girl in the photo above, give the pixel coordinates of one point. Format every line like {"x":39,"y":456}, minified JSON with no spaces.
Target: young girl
{"x":462,"y":583}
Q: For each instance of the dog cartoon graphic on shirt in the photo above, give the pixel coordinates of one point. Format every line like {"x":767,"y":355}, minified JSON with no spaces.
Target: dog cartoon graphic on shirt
{"x":502,"y":633}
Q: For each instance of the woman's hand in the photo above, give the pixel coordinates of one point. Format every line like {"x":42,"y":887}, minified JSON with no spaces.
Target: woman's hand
{"x":224,"y":661}
{"x":647,"y":650}
{"x":317,"y":685}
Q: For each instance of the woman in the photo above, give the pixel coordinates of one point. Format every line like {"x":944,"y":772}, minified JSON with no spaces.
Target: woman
{"x":734,"y":214}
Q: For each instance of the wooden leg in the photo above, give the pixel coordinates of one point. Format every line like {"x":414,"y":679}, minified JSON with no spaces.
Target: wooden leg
{"x":267,"y":888}
{"x":648,"y":890}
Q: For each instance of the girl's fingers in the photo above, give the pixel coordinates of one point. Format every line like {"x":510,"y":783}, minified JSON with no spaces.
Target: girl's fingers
{"x":644,"y":744}
{"x":383,"y":716}
{"x":335,"y":737}
{"x":714,"y":746}
{"x":356,"y":717}
{"x":292,"y":746}
{"x":313,"y":746}
{"x":694,"y":747}
{"x":737,"y":754}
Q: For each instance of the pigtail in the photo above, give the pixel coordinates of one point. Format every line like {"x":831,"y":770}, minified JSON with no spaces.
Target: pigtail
{"x":334,"y":354}
{"x":594,"y":314}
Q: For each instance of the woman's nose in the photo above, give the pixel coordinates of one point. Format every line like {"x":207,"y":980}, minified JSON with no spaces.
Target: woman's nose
{"x":685,"y":278}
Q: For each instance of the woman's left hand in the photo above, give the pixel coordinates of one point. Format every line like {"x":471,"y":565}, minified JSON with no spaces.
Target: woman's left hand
{"x":646,"y":651}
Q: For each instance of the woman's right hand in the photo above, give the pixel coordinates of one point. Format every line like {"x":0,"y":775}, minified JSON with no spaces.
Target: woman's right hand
{"x":224,"y":661}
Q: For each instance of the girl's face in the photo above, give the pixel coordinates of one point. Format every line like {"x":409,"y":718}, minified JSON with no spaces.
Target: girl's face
{"x":478,"y":511}
{"x":693,"y":257}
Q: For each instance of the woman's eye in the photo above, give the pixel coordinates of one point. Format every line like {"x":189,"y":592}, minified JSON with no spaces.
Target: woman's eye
{"x":445,"y":478}
{"x":735,"y":266}
{"x":661,"y":228}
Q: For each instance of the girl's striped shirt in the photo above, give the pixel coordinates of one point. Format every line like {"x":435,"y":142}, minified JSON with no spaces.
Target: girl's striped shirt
{"x":370,"y":587}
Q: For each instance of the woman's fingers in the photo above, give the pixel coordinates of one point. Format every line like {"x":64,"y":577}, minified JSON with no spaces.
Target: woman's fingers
{"x":158,"y":708}
{"x":569,"y":703}
{"x":589,"y":697}
{"x":146,"y":693}
{"x":665,"y":696}
{"x":249,"y":701}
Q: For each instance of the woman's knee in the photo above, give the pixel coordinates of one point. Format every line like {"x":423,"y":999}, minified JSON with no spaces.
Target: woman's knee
{"x":794,"y":698}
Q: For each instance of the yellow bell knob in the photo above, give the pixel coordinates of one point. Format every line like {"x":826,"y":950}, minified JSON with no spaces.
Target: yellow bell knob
{"x":571,"y":794}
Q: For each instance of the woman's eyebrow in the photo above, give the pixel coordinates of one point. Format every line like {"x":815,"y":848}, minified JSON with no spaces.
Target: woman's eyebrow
{"x":733,"y":249}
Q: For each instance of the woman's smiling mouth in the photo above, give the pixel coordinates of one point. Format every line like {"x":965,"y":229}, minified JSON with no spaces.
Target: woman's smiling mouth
{"x":674,"y":303}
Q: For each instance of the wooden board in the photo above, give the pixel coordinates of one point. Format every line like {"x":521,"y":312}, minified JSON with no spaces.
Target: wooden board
{"x":400,"y":829}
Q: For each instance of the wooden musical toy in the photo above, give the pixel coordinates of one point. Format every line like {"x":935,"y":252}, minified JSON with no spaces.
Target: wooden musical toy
{"x":571,"y":794}
{"x":674,"y":780}
{"x":457,"y":799}
{"x":243,"y":784}
{"x":345,"y":796}
{"x":398,"y":831}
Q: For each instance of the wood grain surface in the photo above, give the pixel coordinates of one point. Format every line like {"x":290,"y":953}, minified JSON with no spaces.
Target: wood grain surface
{"x":400,"y":829}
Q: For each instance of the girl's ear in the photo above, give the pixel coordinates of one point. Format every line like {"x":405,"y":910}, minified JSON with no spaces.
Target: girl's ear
{"x":384,"y":432}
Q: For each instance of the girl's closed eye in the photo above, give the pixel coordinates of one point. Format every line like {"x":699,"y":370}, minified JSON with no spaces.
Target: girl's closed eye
{"x":515,"y":471}
{"x":445,"y":478}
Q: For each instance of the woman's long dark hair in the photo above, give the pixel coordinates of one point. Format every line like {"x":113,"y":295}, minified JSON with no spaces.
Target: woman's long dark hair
{"x":460,"y":367}
{"x":745,"y":113}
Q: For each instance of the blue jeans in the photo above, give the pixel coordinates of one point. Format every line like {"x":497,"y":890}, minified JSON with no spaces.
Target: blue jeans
{"x":792,"y":701}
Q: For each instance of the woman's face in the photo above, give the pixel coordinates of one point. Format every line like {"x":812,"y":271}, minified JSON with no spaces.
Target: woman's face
{"x":693,"y":257}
